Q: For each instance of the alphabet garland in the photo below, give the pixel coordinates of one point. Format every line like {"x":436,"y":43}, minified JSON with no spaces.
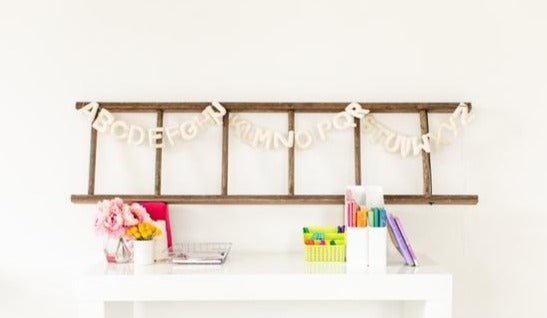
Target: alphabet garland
{"x":135,"y":135}
{"x":266,"y":139}
{"x":396,"y":142}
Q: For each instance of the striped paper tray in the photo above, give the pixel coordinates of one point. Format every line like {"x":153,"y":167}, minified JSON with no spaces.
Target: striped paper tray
{"x":325,"y":253}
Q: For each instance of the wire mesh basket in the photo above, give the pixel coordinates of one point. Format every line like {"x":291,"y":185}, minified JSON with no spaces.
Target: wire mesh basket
{"x":199,"y":253}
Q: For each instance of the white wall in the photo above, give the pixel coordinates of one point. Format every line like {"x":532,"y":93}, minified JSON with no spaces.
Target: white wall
{"x":53,"y":53}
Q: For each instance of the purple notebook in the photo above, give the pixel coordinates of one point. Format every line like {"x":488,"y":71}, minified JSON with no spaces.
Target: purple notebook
{"x":392,"y":224}
{"x":393,"y":239}
{"x":407,"y":242}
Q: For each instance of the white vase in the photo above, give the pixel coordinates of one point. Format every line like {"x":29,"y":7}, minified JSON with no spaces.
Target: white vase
{"x":143,"y":252}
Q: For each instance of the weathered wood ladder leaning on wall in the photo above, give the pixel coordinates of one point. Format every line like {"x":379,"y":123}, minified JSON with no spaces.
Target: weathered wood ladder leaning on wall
{"x":422,"y":109}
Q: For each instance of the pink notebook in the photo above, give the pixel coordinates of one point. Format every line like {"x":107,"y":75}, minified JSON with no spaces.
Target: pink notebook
{"x":159,"y":211}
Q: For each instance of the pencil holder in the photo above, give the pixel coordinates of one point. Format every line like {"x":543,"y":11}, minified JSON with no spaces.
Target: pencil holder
{"x":324,"y":253}
{"x":377,"y":246}
{"x":357,"y":246}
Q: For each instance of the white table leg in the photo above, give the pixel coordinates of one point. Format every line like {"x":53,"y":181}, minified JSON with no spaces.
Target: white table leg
{"x":138,"y":309}
{"x":438,"y":309}
{"x":427,"y":309}
{"x":91,"y":309}
{"x":413,"y":309}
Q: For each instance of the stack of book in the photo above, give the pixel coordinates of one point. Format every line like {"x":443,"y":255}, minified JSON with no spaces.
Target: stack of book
{"x":400,"y":240}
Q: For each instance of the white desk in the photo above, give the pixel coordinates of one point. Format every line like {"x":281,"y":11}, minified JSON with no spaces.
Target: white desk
{"x":426,"y":290}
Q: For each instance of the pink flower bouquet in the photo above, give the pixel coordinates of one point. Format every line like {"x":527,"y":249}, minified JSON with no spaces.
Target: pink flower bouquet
{"x":112,"y":220}
{"x":114,"y":217}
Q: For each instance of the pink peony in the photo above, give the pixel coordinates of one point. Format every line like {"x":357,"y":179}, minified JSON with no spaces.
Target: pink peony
{"x":129,"y":218}
{"x":109,"y":220}
{"x":139,"y":212}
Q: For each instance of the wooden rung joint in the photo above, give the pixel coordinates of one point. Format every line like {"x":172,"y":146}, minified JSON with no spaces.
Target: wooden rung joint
{"x":426,"y":157}
{"x":357,"y":151}
{"x":159,"y":153}
{"x":92,"y":162}
{"x":92,"y":157}
{"x":291,"y":154}
{"x":224,"y":163}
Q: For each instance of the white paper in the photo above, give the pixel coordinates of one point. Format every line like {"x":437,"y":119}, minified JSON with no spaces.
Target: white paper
{"x":160,"y":242}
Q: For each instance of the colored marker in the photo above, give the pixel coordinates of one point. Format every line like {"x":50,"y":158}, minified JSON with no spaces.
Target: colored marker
{"x":383,"y":217}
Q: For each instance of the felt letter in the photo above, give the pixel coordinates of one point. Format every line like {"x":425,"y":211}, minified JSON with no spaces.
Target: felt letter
{"x":221,"y":110}
{"x":154,"y":135}
{"x":188,"y":130}
{"x":392,"y":142}
{"x":380,"y":132}
{"x":214,"y":116}
{"x":323,"y":127}
{"x":370,"y":123}
{"x":419,"y":146}
{"x":262,"y":136}
{"x":343,"y":120}
{"x":406,"y":145}
{"x":355,"y":110}
{"x":233,"y":120}
{"x":203,"y":120}
{"x":136,"y":135}
{"x":462,"y":111}
{"x":303,"y":139}
{"x":438,"y":136}
{"x":90,"y":110}
{"x":119,"y":129}
{"x":280,"y":139}
{"x":171,"y":132}
{"x":451,"y":126}
{"x":104,"y":120}
{"x":243,"y":128}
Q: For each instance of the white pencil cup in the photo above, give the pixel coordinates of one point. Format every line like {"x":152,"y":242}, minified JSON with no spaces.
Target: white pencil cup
{"x":377,"y":246}
{"x":357,"y":246}
{"x":143,"y":252}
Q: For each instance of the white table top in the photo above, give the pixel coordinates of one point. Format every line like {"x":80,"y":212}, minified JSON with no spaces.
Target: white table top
{"x":264,"y":277}
{"x":264,"y":264}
